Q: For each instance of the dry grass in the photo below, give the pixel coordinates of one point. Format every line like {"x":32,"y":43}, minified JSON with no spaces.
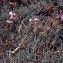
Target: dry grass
{"x":23,"y":41}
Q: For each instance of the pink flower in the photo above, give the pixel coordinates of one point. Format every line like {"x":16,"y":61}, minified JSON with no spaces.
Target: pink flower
{"x":12,"y":15}
{"x":30,"y":20}
{"x":34,"y":20}
{"x":61,"y":16}
{"x":12,"y":3}
{"x":9,"y":21}
{"x":58,"y":16}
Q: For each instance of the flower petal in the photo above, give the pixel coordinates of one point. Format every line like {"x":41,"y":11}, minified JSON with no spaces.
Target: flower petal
{"x":10,"y":13}
{"x":61,"y":16}
{"x":9,"y":21}
{"x":30,"y":19}
{"x":36,"y":19}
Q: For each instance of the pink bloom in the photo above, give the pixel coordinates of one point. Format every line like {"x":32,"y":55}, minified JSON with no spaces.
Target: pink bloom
{"x":30,"y":19}
{"x":9,"y":21}
{"x":61,"y":16}
{"x":34,"y":20}
{"x":58,"y":16}
{"x":11,"y":3}
{"x":12,"y":15}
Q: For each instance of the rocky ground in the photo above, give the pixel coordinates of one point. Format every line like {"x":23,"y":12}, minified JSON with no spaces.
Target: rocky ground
{"x":31,"y":31}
